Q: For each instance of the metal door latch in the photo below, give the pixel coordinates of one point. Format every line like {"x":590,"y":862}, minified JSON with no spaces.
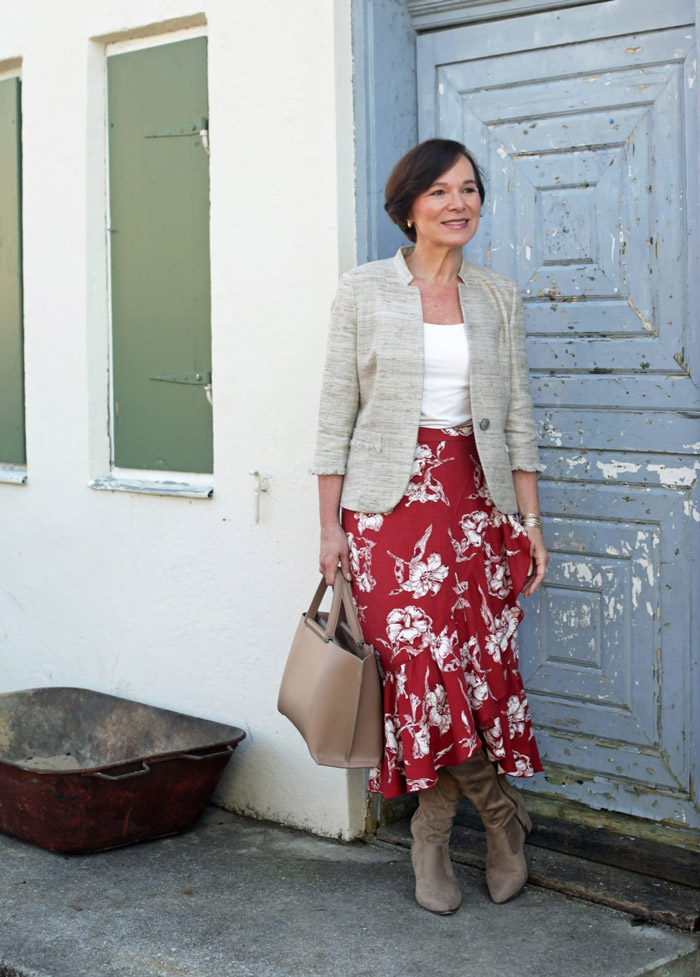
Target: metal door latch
{"x":262,"y":484}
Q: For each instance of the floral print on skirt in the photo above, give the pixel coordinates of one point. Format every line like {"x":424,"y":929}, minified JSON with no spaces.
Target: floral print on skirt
{"x":435,"y":583}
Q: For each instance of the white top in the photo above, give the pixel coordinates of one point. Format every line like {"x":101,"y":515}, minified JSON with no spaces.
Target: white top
{"x":446,"y":398}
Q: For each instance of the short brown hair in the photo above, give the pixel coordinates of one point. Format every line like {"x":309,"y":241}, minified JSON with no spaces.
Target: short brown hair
{"x":417,"y":171}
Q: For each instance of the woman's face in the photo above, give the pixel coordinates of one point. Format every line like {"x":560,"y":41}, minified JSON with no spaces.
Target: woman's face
{"x":447,"y":214}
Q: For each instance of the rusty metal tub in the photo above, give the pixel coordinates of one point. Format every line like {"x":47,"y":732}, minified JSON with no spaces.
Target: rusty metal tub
{"x":81,"y":771}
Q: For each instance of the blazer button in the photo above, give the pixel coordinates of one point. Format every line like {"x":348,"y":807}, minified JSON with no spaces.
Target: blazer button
{"x":484,"y":423}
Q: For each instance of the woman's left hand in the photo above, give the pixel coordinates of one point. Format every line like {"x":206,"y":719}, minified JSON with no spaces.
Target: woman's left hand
{"x":539,"y":558}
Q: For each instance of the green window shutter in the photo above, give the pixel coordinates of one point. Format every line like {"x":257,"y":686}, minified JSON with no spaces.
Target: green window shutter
{"x":12,"y":448}
{"x":159,"y":237}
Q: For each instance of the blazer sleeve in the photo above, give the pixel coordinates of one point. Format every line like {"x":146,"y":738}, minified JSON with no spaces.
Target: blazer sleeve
{"x":521,"y":435}
{"x":340,"y":389}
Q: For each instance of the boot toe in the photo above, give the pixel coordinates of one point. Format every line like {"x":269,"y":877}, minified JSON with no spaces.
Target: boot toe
{"x":443,"y":901}
{"x":506,"y":868}
{"x":436,"y":886}
{"x":503,"y":886}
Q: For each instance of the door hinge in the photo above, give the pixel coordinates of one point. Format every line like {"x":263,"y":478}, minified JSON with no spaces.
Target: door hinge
{"x":185,"y":129}
{"x":198,"y":377}
{"x":200,"y":128}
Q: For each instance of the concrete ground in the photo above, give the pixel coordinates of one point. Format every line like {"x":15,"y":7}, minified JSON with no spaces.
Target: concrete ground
{"x":241,"y":898}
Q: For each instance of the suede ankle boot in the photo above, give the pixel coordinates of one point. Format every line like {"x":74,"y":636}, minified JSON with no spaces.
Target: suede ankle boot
{"x":505,"y":819}
{"x":436,"y":886}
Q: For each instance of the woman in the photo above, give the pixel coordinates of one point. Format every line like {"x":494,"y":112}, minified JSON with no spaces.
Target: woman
{"x":426,"y":450}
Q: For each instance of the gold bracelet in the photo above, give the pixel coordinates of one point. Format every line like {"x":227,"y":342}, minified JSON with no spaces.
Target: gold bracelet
{"x":531,"y":519}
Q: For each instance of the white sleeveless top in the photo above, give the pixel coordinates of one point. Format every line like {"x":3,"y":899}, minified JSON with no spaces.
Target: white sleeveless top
{"x":446,"y":398}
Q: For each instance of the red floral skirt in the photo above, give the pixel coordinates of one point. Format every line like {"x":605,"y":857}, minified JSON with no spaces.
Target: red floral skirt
{"x":436,"y":582}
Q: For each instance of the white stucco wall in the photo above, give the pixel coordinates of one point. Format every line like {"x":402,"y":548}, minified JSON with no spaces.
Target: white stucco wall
{"x":183,"y":603}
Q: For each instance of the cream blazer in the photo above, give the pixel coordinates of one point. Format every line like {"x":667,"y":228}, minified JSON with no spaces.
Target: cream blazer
{"x":373,"y":383}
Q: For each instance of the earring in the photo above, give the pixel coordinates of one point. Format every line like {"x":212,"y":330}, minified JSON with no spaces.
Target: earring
{"x":409,"y":224}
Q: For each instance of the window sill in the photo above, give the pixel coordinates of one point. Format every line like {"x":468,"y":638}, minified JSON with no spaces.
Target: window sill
{"x":11,"y":475}
{"x":147,"y":486}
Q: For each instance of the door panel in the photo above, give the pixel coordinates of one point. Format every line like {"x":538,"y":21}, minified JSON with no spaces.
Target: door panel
{"x":585,"y":123}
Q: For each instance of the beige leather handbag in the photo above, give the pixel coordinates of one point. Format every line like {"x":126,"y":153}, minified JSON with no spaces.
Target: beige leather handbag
{"x":330,"y":688}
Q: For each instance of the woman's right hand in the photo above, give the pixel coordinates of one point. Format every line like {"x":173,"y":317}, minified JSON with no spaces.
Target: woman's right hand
{"x":334,"y":551}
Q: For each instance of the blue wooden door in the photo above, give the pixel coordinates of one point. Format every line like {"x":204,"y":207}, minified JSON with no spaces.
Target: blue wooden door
{"x":585,"y":120}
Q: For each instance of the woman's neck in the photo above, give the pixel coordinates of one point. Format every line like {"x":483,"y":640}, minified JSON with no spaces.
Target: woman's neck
{"x":440,"y":265}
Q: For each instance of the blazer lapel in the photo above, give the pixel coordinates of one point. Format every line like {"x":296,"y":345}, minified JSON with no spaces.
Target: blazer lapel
{"x":407,"y":340}
{"x":408,"y":323}
{"x":482,"y":316}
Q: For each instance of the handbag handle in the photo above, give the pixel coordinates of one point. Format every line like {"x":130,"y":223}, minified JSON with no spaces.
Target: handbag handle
{"x":342,"y":597}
